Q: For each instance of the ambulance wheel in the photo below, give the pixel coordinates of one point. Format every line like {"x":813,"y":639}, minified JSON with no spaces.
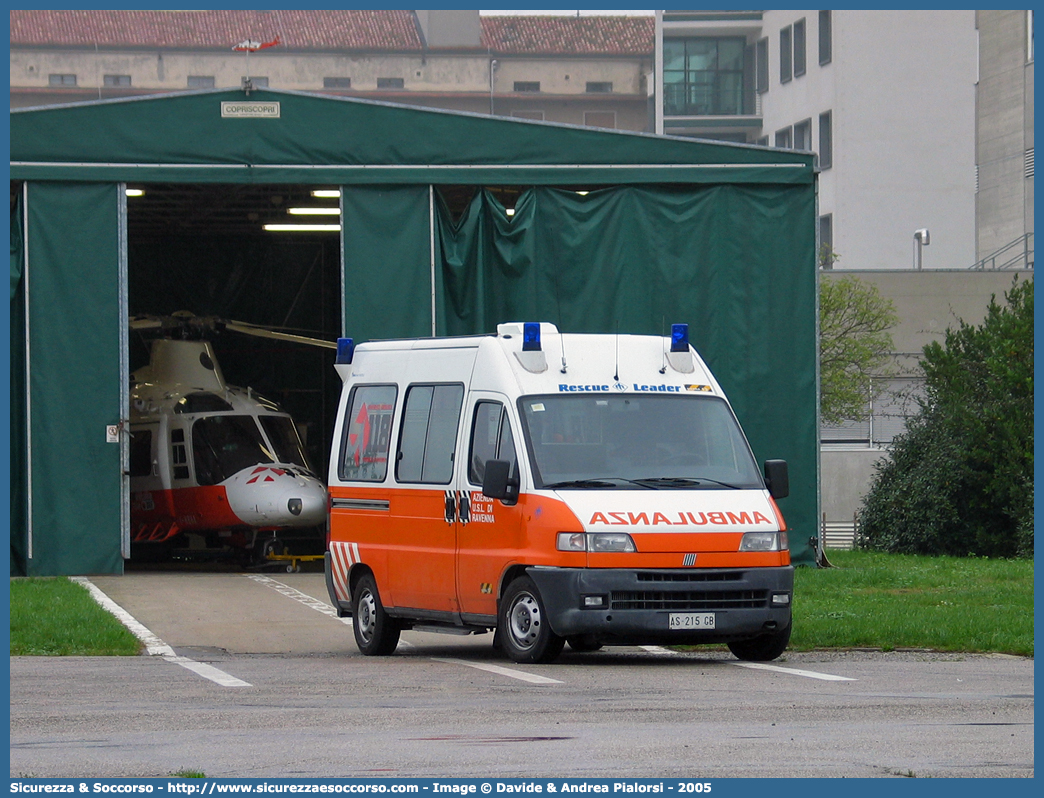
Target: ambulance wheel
{"x":376,"y":633}
{"x":763,"y":648}
{"x":525,"y":633}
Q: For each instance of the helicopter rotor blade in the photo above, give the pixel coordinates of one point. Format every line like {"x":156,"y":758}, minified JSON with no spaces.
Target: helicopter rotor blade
{"x":145,"y":323}
{"x":264,"y":332}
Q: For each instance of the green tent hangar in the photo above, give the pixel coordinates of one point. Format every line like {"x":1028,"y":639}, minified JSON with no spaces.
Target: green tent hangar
{"x":610,"y":231}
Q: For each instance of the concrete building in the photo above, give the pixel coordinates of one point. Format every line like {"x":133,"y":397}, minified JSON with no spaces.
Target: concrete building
{"x":588,"y":70}
{"x":869,"y":91}
{"x":927,"y":303}
{"x":1004,"y":139}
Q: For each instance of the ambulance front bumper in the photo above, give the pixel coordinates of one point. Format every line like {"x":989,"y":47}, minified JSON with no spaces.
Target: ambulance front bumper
{"x":665,"y":607}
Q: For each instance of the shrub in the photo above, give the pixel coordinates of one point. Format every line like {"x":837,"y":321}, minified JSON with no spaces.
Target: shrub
{"x":960,"y":480}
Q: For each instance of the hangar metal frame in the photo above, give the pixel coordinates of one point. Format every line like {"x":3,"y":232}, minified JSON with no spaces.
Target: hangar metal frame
{"x":721,"y":235}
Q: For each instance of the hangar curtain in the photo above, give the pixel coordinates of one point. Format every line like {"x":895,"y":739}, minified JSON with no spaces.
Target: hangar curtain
{"x":735,"y":262}
{"x":75,"y":384}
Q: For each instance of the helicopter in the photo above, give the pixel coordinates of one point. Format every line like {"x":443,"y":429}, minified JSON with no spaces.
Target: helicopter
{"x":212,"y":463}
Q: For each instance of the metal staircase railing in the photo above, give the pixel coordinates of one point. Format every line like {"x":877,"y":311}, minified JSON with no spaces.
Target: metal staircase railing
{"x":1016,"y":255}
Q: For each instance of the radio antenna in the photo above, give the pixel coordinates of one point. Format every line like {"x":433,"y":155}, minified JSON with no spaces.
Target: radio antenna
{"x":558,"y":307}
{"x":616,"y":374}
{"x":663,"y":352}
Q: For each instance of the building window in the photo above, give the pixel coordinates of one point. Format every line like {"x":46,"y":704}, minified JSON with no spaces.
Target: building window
{"x":600,"y":119}
{"x":1029,"y":36}
{"x":259,"y":83}
{"x":390,"y":83}
{"x":599,"y":87}
{"x":826,"y":141}
{"x":337,"y":83}
{"x":761,"y":56}
{"x":785,"y":138}
{"x":826,"y":241}
{"x":704,"y":77}
{"x":786,"y":55}
{"x":527,"y":85}
{"x":201,"y":81}
{"x":537,"y":116}
{"x":799,"y":47}
{"x":803,"y":135}
{"x":116,"y":80}
{"x":61,"y":80}
{"x":763,"y":141}
{"x":825,"y":37}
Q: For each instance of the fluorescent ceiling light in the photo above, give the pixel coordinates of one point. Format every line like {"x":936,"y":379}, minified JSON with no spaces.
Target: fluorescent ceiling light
{"x":332,"y":193}
{"x":135,"y":192}
{"x":303,"y":228}
{"x":314,"y":211}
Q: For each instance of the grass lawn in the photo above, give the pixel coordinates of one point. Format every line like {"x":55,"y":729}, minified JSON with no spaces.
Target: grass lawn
{"x":869,"y":600}
{"x":56,"y":617}
{"x":891,"y":601}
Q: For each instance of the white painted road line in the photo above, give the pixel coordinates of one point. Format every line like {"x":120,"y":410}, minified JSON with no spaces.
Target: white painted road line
{"x":308,"y":601}
{"x":532,"y":678}
{"x":153,"y":644}
{"x":826,"y":677}
{"x":215,"y":675}
{"x":658,"y":650}
{"x":297,"y":595}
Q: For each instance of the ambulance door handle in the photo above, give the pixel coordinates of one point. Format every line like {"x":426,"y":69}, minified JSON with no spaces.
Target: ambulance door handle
{"x":464,"y":508}
{"x":451,"y":507}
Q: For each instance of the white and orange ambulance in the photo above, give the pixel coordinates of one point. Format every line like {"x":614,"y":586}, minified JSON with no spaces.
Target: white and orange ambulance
{"x":589,"y":489}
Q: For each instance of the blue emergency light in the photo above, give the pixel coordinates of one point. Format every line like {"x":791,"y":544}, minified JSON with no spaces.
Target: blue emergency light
{"x":531,"y":336}
{"x":679,"y":337}
{"x":345,"y":351}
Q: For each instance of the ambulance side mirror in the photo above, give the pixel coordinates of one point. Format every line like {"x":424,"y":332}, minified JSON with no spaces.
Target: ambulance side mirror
{"x":777,"y":478}
{"x":498,"y":483}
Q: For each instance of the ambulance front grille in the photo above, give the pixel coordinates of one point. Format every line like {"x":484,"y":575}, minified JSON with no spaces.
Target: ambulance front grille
{"x":688,"y":600}
{"x":690,"y":576}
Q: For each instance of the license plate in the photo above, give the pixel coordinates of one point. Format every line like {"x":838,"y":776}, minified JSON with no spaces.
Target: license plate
{"x":691,"y":620}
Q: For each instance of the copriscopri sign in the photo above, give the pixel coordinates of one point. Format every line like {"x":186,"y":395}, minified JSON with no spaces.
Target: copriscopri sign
{"x":245,"y":109}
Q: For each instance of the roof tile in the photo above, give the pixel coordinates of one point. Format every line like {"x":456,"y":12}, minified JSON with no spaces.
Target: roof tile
{"x":324,"y":30}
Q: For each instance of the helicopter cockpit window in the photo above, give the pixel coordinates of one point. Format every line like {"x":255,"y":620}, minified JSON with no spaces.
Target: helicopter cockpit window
{"x":202,"y":402}
{"x":283,"y":435}
{"x":223,"y":445}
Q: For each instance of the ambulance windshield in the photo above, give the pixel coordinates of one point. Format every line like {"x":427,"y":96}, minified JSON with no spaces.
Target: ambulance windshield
{"x":588,"y":441}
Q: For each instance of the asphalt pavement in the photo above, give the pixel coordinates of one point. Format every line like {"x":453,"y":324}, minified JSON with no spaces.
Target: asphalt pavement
{"x":253,"y":675}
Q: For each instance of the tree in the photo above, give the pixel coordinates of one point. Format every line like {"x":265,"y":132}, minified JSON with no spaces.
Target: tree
{"x":960,"y":480}
{"x":854,"y":345}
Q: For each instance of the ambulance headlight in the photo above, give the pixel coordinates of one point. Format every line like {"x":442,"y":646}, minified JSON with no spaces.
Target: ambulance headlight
{"x":610,"y":541}
{"x":763,"y":541}
{"x":571,"y":541}
{"x":596,"y":541}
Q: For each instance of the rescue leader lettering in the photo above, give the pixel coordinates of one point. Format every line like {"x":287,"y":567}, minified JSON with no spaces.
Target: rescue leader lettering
{"x":679,"y":519}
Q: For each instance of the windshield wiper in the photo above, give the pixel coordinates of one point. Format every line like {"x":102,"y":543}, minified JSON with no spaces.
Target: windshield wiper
{"x":601,"y":482}
{"x":681,"y":482}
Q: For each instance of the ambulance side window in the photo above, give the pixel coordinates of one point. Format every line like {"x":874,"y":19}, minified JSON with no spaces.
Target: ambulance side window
{"x":430,"y":417}
{"x":491,"y":439}
{"x":367,"y":434}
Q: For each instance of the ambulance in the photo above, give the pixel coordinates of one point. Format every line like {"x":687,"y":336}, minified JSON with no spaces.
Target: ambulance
{"x":553,"y":488}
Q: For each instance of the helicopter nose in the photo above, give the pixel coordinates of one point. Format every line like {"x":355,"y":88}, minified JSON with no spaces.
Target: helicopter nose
{"x":277,"y":496}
